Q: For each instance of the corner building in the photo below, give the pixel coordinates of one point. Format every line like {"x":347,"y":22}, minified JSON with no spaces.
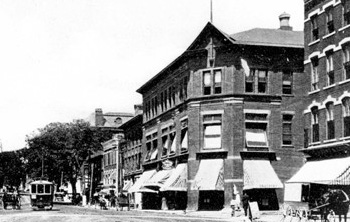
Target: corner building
{"x":223,"y":116}
{"x":327,"y":108}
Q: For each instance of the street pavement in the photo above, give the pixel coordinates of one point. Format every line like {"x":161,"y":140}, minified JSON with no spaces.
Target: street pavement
{"x":68,"y":213}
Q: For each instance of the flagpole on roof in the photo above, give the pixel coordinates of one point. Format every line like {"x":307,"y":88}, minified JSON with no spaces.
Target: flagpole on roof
{"x":211,"y":11}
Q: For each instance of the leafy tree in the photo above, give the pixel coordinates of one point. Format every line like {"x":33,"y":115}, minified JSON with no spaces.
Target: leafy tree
{"x":64,"y":147}
{"x":12,"y":170}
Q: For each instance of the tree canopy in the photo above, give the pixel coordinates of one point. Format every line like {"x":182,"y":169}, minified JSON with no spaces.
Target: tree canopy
{"x":63,"y":148}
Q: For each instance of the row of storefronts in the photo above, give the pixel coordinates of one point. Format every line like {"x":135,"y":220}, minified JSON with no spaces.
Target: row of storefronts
{"x":231,"y":115}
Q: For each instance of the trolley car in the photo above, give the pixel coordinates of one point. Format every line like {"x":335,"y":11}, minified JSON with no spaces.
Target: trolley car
{"x":41,"y":194}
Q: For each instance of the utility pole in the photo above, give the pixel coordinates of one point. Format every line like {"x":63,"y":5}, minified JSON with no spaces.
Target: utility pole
{"x":42,"y":163}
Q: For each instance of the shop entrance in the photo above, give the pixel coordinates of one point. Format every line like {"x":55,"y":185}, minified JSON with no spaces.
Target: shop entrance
{"x":211,"y":200}
{"x":266,"y":198}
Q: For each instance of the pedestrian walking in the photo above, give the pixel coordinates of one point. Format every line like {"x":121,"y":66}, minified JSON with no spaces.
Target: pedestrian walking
{"x":245,"y":203}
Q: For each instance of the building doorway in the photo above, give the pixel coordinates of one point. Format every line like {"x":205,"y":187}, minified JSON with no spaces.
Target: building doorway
{"x":211,"y":200}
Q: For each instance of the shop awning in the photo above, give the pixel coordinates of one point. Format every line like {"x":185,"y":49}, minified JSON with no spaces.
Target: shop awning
{"x":210,"y":175}
{"x":158,"y":179}
{"x":178,"y":179}
{"x":331,"y":171}
{"x":145,"y":176}
{"x":259,"y":174}
{"x":127,"y":185}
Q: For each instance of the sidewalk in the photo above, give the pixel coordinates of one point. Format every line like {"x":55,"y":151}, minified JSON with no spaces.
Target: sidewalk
{"x":224,"y":215}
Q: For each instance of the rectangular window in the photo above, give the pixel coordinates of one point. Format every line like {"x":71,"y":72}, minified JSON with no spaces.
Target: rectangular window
{"x":262,"y":81}
{"x":346,"y":12}
{"x":212,"y":131}
{"x":346,"y":61}
{"x":329,"y":20}
{"x":154,"y":153}
{"x":170,"y":92}
{"x":185,"y":85}
{"x":249,"y":82}
{"x":314,"y":28}
{"x":47,"y":188}
{"x":256,"y":81}
{"x":207,"y":83}
{"x":40,"y":188}
{"x":172,"y":143}
{"x":33,"y":188}
{"x":184,"y":136}
{"x":314,"y":74}
{"x":314,"y":124}
{"x":255,"y":130}
{"x":287,"y":136}
{"x":148,"y":148}
{"x":217,"y":82}
{"x":165,"y":142}
{"x":173,"y":95}
{"x":162,"y":101}
{"x":287,"y":83}
{"x":212,"y":82}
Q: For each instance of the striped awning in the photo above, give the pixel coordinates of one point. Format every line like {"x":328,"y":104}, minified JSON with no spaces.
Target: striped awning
{"x":210,"y":175}
{"x":259,"y":174}
{"x":145,"y":176}
{"x":178,"y":179}
{"x":158,"y":179}
{"x":127,"y":185}
{"x":330,"y":171}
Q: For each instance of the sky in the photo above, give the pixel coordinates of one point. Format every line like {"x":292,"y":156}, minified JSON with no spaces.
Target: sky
{"x":62,"y":59}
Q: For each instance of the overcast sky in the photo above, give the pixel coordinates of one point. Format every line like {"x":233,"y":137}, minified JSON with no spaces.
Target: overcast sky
{"x":61,"y":59}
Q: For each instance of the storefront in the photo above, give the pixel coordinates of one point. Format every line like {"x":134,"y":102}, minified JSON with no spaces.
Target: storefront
{"x":261,"y":182}
{"x":209,"y":181}
{"x":315,"y":177}
{"x":135,"y":190}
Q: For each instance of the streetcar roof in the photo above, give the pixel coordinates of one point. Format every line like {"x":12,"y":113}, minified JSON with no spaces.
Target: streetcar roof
{"x":41,"y":182}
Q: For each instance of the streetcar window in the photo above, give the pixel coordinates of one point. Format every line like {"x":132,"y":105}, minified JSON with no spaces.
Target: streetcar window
{"x":40,"y":188}
{"x":33,"y":188}
{"x":47,"y":188}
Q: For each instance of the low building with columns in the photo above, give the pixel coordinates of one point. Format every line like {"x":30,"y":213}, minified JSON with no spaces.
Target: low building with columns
{"x":224,"y":116}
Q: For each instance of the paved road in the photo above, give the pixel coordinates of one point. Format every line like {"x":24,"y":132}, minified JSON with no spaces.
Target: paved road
{"x":62,"y":213}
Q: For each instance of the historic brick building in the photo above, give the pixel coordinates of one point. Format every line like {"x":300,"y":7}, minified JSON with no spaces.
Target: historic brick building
{"x":327,"y":110}
{"x":131,"y":154}
{"x":225,"y":115}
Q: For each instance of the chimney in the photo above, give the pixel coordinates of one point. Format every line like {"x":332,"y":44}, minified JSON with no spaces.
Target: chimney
{"x":138,"y":109}
{"x":99,"y":117}
{"x":284,"y":22}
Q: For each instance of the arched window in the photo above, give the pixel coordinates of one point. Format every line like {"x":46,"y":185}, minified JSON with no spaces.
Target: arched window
{"x":314,"y":124}
{"x":346,"y":116}
{"x":330,"y":120}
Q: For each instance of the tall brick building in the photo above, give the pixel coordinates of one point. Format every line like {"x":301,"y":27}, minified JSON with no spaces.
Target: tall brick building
{"x":224,"y":116}
{"x":327,"y":110}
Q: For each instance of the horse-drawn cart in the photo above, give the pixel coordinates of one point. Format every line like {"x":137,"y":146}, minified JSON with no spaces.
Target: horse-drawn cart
{"x":11,"y":199}
{"x":333,"y":202}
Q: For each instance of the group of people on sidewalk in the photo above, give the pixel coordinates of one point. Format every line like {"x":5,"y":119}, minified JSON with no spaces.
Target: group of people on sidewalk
{"x":237,"y":202}
{"x":110,"y":200}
